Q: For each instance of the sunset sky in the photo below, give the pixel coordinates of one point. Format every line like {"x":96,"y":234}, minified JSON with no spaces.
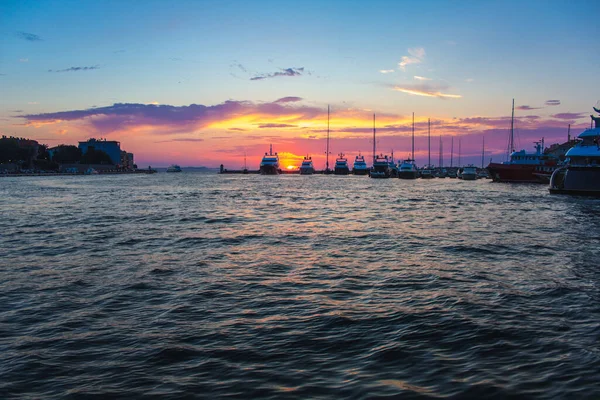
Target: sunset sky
{"x":200,"y":83}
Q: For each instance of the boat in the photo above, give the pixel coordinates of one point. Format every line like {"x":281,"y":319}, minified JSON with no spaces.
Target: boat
{"x":393,"y":167}
{"x":327,"y":152}
{"x":174,"y":168}
{"x":428,"y":171}
{"x":408,"y":169}
{"x":381,"y":167}
{"x":581,"y":173}
{"x":307,"y":166}
{"x":524,"y":167}
{"x":270,"y":163}
{"x":341,"y":165}
{"x":360,"y":166}
{"x":468,"y":173}
{"x":91,"y":171}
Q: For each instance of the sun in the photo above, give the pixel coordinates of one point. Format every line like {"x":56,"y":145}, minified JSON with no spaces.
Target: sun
{"x":291,"y":167}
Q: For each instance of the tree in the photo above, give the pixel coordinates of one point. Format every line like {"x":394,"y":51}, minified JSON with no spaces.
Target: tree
{"x":93,"y":156}
{"x":66,"y":154}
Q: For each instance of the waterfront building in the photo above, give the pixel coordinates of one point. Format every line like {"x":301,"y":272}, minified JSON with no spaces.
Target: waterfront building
{"x":110,"y":147}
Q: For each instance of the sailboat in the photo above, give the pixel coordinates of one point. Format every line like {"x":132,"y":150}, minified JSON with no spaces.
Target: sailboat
{"x":327,"y":152}
{"x":522,"y":166}
{"x":427,"y":172}
{"x":381,"y":163}
{"x":408,"y":168}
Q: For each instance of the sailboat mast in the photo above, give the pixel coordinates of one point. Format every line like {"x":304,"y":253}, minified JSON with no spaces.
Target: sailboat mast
{"x":451,"y":151}
{"x":511,"y":145}
{"x":482,"y":152}
{"x":374,"y":148}
{"x":413,"y":136}
{"x":429,"y":142}
{"x":441,"y":160}
{"x":458,"y":152}
{"x":569,"y":133}
{"x":327,"y":152}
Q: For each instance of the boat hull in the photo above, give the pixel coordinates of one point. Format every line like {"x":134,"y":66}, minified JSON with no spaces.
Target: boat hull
{"x":468,"y":177}
{"x":307,"y":171}
{"x":407,"y":174}
{"x":360,"y":172}
{"x":583,"y":180}
{"x":341,"y":171}
{"x":379,"y":175}
{"x":269,"y":170}
{"x":516,"y":173}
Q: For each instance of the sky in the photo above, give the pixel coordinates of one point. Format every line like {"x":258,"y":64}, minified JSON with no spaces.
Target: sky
{"x":204,"y":83}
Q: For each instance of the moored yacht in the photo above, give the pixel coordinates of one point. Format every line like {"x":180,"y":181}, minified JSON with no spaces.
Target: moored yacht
{"x":408,"y":169}
{"x":270,"y":163}
{"x":341,"y":165}
{"x":360,"y":166}
{"x":381,"y":167}
{"x":174,"y":168}
{"x":427,"y":172}
{"x":468,"y":173}
{"x":307,"y":167}
{"x":581,"y":174}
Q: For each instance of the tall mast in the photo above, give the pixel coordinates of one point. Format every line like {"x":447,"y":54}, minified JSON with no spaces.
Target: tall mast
{"x":569,"y":133}
{"x":441,"y":161}
{"x":270,"y":149}
{"x":327,"y":152}
{"x":482,"y":152}
{"x":413,"y":137}
{"x":511,"y":144}
{"x":451,"y":151}
{"x":429,"y":142}
{"x":374,"y":148}
{"x":458,"y":152}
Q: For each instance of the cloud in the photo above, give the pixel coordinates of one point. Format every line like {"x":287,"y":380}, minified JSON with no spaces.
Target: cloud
{"x":568,"y":116}
{"x":289,"y":99}
{"x":426,"y":89}
{"x":168,"y":119}
{"x":422,"y":78}
{"x":29,"y":37}
{"x":23,"y":60}
{"x":237,"y":129}
{"x":72,"y":69}
{"x":416,"y":56}
{"x":277,"y":126}
{"x":386,"y":71}
{"x":527,"y":108}
{"x":553,"y":102}
{"x":283,"y":72}
{"x":181,"y":140}
{"x":469,"y":80}
{"x":238,"y":65}
{"x":62,"y":132}
{"x":32,"y":102}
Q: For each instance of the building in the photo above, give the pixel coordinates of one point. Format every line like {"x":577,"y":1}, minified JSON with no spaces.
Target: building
{"x":126,"y":160}
{"x":112,"y":148}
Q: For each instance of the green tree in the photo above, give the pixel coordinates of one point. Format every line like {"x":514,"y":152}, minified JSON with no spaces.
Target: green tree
{"x":93,"y":156}
{"x":66,"y":154}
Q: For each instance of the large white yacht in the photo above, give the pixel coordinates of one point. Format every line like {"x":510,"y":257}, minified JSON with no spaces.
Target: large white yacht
{"x":270,"y":163}
{"x":307,"y":167}
{"x":360,"y":166}
{"x":408,"y":169}
{"x":341,"y":165}
{"x":381,"y":167}
{"x":581,"y":173}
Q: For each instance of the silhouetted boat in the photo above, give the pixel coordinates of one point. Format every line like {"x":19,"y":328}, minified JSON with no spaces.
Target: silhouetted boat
{"x":270,"y":163}
{"x":307,"y":167}
{"x":341,"y":165}
{"x":360,"y":166}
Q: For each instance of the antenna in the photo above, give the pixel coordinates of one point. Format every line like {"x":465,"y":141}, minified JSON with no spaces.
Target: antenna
{"x":482,"y":152}
{"x":569,"y":133}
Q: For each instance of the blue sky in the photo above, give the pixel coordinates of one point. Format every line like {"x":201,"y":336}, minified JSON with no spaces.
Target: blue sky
{"x":58,"y":56}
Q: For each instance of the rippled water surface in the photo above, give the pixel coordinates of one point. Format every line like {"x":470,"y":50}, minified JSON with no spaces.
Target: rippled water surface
{"x":194,"y":284}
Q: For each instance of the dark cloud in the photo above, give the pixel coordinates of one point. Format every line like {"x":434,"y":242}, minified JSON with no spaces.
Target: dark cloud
{"x":568,"y":116}
{"x":283,"y":72}
{"x":29,"y":37}
{"x":277,"y":126}
{"x":72,"y":69}
{"x":289,"y":99}
{"x":181,"y":140}
{"x":174,"y":119}
{"x":553,"y":102}
{"x":527,"y":108}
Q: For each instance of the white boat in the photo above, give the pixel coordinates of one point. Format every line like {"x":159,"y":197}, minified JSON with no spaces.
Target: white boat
{"x":307,"y":167}
{"x":581,"y":174}
{"x":381,"y":167}
{"x":468,"y":173}
{"x":360,"y":166}
{"x":174,"y":168}
{"x":270,"y":163}
{"x":341,"y":165}
{"x":408,"y":169}
{"x":91,"y":171}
